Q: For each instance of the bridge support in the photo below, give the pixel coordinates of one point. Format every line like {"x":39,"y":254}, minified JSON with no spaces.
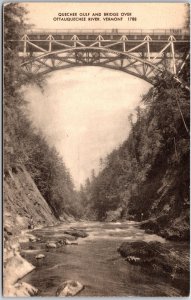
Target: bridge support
{"x":172,"y":40}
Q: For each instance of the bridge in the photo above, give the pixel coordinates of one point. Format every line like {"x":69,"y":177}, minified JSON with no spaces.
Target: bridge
{"x":141,"y":53}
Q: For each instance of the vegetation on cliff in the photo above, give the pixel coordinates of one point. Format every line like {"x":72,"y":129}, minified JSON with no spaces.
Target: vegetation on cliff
{"x":24,"y":144}
{"x":148,"y":175}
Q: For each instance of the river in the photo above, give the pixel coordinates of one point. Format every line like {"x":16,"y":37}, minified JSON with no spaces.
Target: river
{"x":96,"y":263}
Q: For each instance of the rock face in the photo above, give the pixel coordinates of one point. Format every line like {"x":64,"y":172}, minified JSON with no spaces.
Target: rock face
{"x":24,"y":208}
{"x":69,"y":288}
{"x":155,"y":256}
{"x":169,"y":213}
{"x":76,"y":232}
{"x":24,"y":205}
{"x":176,"y":229}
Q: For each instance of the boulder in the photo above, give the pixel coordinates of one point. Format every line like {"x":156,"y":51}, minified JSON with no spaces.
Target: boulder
{"x":142,"y":250}
{"x":8,"y":230}
{"x":39,"y":256}
{"x":32,"y":239}
{"x":71,"y":243}
{"x":69,"y":237}
{"x":150,"y":224}
{"x":76,"y":233}
{"x":51,"y":245}
{"x":68,"y":242}
{"x":74,"y":243}
{"x":149,"y":231}
{"x":21,"y":289}
{"x":58,"y":244}
{"x":69,"y":288}
{"x":16,"y":267}
{"x":61,"y":242}
{"x":133,"y":259}
{"x":154,"y":256}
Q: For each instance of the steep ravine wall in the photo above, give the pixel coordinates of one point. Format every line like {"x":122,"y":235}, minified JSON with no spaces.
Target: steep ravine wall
{"x":169,"y":213}
{"x":23,"y":203}
{"x":23,"y":208}
{"x":163,"y":203}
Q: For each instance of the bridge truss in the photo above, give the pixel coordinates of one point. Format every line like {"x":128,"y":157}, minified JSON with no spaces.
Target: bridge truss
{"x":142,"y":55}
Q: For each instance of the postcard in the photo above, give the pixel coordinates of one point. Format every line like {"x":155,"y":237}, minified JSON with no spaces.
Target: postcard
{"x":96,"y":149}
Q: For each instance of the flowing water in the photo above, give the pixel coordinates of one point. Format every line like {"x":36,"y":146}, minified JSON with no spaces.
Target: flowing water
{"x":96,"y":263}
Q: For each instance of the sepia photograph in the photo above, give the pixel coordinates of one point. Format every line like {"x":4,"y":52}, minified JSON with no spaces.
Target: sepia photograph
{"x":96,"y":149}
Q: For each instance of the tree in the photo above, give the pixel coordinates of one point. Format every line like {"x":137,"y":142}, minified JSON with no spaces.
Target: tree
{"x":158,"y":144}
{"x":24,"y":144}
{"x":187,"y":18}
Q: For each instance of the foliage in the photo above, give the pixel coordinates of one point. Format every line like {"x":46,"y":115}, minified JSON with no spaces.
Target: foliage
{"x":158,"y":144}
{"x":23,"y":144}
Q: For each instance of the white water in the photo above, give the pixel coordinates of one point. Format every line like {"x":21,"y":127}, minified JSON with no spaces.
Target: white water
{"x":96,"y":263}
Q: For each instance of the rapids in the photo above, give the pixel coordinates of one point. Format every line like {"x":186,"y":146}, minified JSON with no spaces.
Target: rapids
{"x":96,"y":263}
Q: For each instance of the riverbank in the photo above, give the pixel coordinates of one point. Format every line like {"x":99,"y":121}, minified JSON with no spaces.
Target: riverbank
{"x":176,"y":230}
{"x":157,"y":258}
{"x":16,"y":267}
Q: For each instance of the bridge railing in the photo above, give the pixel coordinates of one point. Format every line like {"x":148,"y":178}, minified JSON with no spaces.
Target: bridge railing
{"x":170,"y":31}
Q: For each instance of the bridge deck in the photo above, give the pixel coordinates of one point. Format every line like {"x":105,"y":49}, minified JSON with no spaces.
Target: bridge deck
{"x":113,"y":39}
{"x":155,"y":46}
{"x":114,"y":36}
{"x":174,"y":31}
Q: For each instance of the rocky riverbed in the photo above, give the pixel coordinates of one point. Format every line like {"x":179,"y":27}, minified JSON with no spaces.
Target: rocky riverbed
{"x":103,"y":259}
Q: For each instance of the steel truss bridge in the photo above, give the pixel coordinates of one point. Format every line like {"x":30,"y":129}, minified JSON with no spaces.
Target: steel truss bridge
{"x":141,"y":53}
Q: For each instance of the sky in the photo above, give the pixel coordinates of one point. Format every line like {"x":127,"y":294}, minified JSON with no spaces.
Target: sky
{"x":84,"y":111}
{"x":86,"y":127}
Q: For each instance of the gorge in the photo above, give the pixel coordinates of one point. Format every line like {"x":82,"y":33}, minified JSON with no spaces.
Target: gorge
{"x":125,"y":231}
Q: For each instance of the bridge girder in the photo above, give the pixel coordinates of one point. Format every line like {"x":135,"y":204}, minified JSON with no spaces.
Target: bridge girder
{"x":144,"y":58}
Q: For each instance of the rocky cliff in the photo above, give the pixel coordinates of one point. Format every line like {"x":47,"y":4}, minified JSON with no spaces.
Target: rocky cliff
{"x":24,"y":206}
{"x":168,"y":215}
{"x":147,"y":177}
